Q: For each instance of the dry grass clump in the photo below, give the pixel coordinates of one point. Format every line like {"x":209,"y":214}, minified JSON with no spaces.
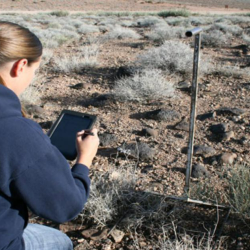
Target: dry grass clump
{"x":177,"y":12}
{"x":173,"y":56}
{"x":119,"y":32}
{"x":87,"y":57}
{"x":162,"y":32}
{"x":227,"y":28}
{"x":186,"y":242}
{"x":231,"y":189}
{"x":246,"y":38}
{"x":59,"y":13}
{"x":110,"y":193}
{"x":215,"y":38}
{"x":33,"y":93}
{"x":144,"y":85}
{"x":230,"y":71}
{"x":87,"y":28}
{"x":239,"y":186}
{"x":53,"y":38}
{"x":149,"y":21}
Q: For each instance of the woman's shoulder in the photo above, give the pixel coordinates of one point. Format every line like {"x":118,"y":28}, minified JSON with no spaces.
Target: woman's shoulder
{"x":23,"y":135}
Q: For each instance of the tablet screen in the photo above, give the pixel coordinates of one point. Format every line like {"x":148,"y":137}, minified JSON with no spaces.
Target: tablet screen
{"x":64,"y":136}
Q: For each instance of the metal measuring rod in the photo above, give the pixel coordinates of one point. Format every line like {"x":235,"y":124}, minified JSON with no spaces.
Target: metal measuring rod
{"x":196,"y":32}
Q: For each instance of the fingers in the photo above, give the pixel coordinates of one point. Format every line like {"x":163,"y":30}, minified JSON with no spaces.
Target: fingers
{"x":92,"y":132}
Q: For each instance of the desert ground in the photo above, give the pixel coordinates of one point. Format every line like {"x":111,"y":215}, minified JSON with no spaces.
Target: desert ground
{"x":130,"y":64}
{"x":200,"y":6}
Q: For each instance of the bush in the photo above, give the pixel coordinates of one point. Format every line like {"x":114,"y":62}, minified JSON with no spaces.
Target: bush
{"x":239,"y":186}
{"x":214,"y":38}
{"x":149,"y":21}
{"x":173,"y":56}
{"x":59,"y":13}
{"x":52,"y":38}
{"x":118,"y":32}
{"x":246,"y":38}
{"x":160,"y":33}
{"x":231,"y":29}
{"x":87,"y":57}
{"x":114,"y":187}
{"x":144,"y":85}
{"x":180,"y":12}
{"x":86,"y":29}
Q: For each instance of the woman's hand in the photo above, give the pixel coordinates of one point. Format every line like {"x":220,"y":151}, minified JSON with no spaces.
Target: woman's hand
{"x":86,"y":147}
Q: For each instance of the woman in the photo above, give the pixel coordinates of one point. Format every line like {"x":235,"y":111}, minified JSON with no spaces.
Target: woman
{"x":33,"y":173}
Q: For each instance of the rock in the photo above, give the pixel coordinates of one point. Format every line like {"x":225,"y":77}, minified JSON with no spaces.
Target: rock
{"x":199,"y":171}
{"x":219,"y":128}
{"x":107,"y":139}
{"x":230,"y":111}
{"x":137,"y":150}
{"x":150,"y":132}
{"x":117,"y":235}
{"x":177,"y":135}
{"x":243,"y":140}
{"x":46,"y":125}
{"x":147,"y":169}
{"x":166,"y":115}
{"x":182,"y":125}
{"x":77,"y":86}
{"x":95,"y":234}
{"x":203,"y":150}
{"x":184,"y":86}
{"x":34,"y":110}
{"x":227,"y":136}
{"x":228,"y":158}
{"x":203,"y":117}
{"x":98,"y":100}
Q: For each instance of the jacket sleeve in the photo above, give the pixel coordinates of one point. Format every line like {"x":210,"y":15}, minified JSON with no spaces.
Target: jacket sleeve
{"x":51,"y":189}
{"x":47,"y":184}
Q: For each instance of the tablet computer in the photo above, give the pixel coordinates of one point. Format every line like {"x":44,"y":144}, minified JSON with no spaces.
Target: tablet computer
{"x":63,"y":132}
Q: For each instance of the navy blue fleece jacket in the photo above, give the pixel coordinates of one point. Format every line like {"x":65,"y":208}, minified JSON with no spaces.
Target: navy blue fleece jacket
{"x":34,"y":174}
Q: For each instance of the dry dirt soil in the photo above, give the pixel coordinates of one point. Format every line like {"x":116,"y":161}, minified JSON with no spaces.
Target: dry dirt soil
{"x":164,"y":173}
{"x":201,"y":6}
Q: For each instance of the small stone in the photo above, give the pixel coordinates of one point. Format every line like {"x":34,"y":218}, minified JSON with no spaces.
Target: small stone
{"x":228,"y":158}
{"x":166,"y":115}
{"x":95,"y":234}
{"x":46,"y":125}
{"x":107,"y":139}
{"x":227,"y":136}
{"x":182,"y":125}
{"x":117,"y":235}
{"x":203,"y":150}
{"x":199,"y":171}
{"x":219,"y":128}
{"x":77,"y":86}
{"x":203,"y":117}
{"x":147,"y":169}
{"x":184,"y":86}
{"x":243,"y":140}
{"x":150,"y":132}
{"x":137,"y":150}
{"x":230,"y":111}
{"x":177,"y":135}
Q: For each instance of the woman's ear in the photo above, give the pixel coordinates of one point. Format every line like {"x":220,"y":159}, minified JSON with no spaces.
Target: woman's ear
{"x":18,"y":67}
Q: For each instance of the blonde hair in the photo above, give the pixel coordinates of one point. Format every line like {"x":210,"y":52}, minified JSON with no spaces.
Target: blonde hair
{"x":16,"y":43}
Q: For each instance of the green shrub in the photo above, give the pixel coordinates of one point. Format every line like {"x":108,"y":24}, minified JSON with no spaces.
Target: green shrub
{"x":239,"y":189}
{"x":180,"y":12}
{"x":59,"y":13}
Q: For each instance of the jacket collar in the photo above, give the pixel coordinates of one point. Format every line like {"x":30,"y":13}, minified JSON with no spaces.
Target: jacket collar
{"x":9,"y":103}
